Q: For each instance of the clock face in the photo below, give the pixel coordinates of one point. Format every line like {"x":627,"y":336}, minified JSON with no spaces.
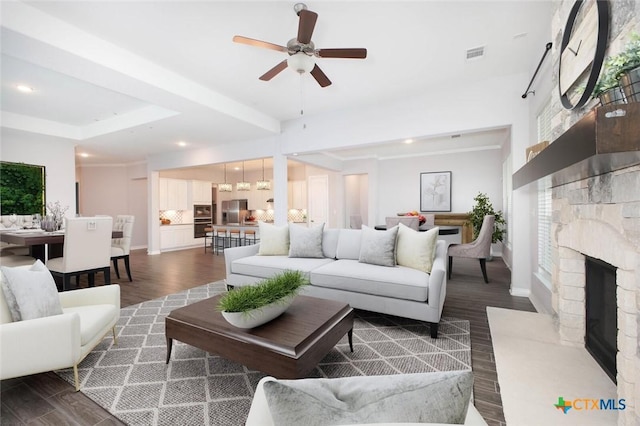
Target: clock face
{"x":584,"y":42}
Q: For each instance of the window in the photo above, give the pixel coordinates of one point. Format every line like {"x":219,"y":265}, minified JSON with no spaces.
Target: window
{"x":544,"y":199}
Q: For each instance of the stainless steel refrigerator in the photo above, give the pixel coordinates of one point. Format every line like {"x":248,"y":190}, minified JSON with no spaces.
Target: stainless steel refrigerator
{"x":234,"y":212}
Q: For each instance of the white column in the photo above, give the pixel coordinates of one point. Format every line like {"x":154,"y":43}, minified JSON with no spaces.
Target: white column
{"x":153,"y":229}
{"x":280,"y":192}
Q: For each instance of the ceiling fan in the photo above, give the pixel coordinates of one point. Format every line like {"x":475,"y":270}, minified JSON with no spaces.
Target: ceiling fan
{"x":301,"y":49}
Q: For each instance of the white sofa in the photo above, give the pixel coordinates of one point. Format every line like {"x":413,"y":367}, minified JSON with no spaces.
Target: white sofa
{"x":398,"y":290}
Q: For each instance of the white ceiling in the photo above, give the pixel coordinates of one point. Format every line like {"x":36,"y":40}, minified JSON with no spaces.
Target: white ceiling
{"x":130,"y":79}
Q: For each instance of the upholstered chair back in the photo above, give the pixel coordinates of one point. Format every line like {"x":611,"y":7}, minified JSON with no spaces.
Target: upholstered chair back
{"x":410,"y":221}
{"x":123,"y":223}
{"x":87,"y":243}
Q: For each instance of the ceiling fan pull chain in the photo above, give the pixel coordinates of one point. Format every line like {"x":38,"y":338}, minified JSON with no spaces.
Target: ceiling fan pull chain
{"x":301,"y":96}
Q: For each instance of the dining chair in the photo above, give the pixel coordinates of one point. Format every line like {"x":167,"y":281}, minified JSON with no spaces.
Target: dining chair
{"x":120,"y":247}
{"x":479,"y":249}
{"x":411,"y":221}
{"x":87,"y":250}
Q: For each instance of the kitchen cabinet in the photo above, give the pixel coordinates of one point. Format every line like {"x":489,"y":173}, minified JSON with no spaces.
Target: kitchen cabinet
{"x":297,"y":194}
{"x":178,"y":236}
{"x":173,"y":194}
{"x":200,"y":192}
{"x":257,"y":199}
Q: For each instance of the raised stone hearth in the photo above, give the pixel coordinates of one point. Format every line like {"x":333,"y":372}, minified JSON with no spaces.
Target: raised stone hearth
{"x":600,"y":217}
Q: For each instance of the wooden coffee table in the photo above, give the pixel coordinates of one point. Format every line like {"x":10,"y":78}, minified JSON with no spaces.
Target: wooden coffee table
{"x":288,"y":347}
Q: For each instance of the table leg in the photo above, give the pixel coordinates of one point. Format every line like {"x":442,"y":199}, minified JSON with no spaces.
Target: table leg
{"x":169,"y":346}
{"x":350,"y":336}
{"x":38,"y":252}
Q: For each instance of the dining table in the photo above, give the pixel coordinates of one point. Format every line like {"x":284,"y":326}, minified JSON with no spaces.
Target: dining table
{"x":42,"y":245}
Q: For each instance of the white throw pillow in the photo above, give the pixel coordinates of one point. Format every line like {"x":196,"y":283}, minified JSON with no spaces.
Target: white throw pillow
{"x":416,"y":249}
{"x":274,"y":240}
{"x":30,"y":293}
{"x":378,"y":247}
{"x":305,"y":241}
{"x":439,"y":397}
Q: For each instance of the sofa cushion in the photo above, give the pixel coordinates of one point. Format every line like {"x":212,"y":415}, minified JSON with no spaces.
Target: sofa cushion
{"x":350,"y":275}
{"x":378,"y":247}
{"x":305,"y":241}
{"x":416,"y":249}
{"x":440,"y":397}
{"x":92,"y":319}
{"x":349,"y":244}
{"x":274,"y":240}
{"x":267,"y":266}
{"x":330,"y":242}
{"x":30,"y":293}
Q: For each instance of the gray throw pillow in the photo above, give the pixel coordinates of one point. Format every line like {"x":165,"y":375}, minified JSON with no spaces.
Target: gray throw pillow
{"x":30,"y":293}
{"x":441,"y":397}
{"x":378,"y":247}
{"x":305,"y":241}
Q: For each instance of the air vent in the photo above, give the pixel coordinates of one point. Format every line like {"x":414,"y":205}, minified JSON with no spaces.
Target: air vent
{"x":455,"y":136}
{"x":475,"y":53}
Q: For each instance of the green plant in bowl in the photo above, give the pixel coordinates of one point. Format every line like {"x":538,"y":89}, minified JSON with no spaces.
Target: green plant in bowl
{"x":268,"y":291}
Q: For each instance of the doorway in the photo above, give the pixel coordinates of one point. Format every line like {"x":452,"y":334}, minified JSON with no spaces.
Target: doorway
{"x":356,"y":192}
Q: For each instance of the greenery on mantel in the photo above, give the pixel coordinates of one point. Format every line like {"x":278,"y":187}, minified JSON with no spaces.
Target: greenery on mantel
{"x":22,"y":188}
{"x":250,"y":297}
{"x":481,"y":208}
{"x":616,"y":65}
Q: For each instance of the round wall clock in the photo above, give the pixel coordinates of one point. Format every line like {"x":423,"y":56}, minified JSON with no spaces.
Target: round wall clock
{"x":584,"y":42}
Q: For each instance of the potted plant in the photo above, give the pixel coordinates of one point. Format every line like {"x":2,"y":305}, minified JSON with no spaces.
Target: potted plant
{"x":481,"y":208}
{"x":254,"y":305}
{"x":629,"y":68}
{"x":621,"y":74}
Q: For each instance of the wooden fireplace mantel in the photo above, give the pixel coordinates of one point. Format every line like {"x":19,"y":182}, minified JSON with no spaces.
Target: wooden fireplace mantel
{"x":457,"y":219}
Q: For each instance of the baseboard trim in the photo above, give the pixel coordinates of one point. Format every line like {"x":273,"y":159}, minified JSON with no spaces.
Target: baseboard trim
{"x":519,"y":292}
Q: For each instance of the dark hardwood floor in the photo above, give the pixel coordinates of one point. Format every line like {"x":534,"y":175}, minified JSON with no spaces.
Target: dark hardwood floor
{"x":45,"y":399}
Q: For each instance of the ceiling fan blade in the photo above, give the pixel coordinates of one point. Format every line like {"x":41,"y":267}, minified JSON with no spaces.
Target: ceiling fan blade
{"x":320,"y":76}
{"x":274,"y":71}
{"x":305,"y":26}
{"x":342,"y":53}
{"x":258,"y":43}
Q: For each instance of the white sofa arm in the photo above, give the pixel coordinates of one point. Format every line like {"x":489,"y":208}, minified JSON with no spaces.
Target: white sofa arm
{"x":234,"y":253}
{"x":103,"y":295}
{"x":22,"y":343}
{"x":438,"y":277}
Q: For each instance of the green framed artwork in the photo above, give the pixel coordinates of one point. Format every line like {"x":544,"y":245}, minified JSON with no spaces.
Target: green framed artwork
{"x":22,"y":188}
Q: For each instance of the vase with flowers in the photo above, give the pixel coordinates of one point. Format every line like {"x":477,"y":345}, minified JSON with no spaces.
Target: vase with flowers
{"x":55,"y":214}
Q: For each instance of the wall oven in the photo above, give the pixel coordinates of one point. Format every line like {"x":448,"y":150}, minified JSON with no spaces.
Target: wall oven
{"x":199,"y":226}
{"x":202,"y":219}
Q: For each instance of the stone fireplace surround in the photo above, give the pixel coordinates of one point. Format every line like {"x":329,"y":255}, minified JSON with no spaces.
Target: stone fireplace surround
{"x":600,"y":217}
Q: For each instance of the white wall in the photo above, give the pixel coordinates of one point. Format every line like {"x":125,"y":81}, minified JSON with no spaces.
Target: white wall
{"x":114,"y":190}
{"x":56,"y":154}
{"x":399,"y":185}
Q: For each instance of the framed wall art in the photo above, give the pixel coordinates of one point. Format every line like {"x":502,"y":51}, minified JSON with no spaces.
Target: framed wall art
{"x":435,"y":192}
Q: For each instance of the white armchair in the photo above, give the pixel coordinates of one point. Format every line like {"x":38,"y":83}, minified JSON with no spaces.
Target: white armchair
{"x":120,"y":247}
{"x":58,"y":341}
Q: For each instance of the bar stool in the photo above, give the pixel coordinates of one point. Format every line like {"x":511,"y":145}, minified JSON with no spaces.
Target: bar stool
{"x":250,"y":237}
{"x":219,"y":240}
{"x":234,"y":237}
{"x":208,"y":239}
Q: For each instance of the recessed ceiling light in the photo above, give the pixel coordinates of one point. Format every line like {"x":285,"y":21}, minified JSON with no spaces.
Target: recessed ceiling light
{"x":408,"y":141}
{"x":25,"y":89}
{"x":83,"y":154}
{"x":236,"y":168}
{"x":182,"y":143}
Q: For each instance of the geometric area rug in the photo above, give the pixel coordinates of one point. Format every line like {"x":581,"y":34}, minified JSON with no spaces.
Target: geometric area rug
{"x":133,"y":383}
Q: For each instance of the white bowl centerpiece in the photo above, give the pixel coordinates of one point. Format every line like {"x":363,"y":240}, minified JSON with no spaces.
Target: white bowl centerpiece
{"x":253,"y":305}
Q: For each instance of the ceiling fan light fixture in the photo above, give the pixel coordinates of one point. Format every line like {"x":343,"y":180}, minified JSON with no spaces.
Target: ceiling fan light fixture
{"x":301,"y":62}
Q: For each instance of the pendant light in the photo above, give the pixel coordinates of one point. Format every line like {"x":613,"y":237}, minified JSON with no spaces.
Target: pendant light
{"x":244,"y":185}
{"x":225,"y":187}
{"x":263,"y":184}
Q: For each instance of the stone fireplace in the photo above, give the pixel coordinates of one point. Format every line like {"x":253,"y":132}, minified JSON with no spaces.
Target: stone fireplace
{"x":599,"y":217}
